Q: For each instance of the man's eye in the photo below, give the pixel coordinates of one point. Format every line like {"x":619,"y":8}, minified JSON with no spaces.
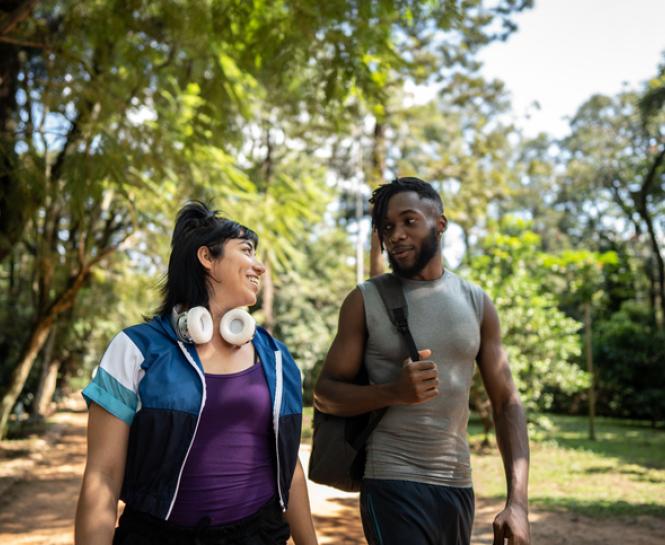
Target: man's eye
{"x":410,"y":221}
{"x":387,"y":228}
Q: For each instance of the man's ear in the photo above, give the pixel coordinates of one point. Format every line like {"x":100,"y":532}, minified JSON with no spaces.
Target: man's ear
{"x":204,"y":257}
{"x":442,"y":224}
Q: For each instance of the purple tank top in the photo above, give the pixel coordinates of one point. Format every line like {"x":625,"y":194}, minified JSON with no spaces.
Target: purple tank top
{"x":229,"y":473}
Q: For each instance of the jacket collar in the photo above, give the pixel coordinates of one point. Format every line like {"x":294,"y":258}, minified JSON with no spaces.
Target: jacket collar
{"x":263,"y":342}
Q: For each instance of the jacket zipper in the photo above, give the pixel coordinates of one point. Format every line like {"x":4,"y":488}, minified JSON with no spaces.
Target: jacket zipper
{"x":198,"y":419}
{"x":275,"y":421}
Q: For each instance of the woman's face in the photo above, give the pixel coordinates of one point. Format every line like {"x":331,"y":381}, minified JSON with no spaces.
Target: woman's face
{"x":236,"y":276}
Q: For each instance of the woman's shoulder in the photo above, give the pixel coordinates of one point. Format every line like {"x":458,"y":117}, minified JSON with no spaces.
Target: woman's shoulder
{"x":149,"y":334}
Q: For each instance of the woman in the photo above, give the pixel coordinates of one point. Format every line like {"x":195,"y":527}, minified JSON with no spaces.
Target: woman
{"x":199,"y":440}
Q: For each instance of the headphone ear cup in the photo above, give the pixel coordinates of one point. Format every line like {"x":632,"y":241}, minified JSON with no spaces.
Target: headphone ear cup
{"x":237,"y":327}
{"x":199,"y":325}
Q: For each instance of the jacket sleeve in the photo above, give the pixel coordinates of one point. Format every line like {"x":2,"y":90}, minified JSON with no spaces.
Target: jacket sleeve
{"x":114,"y":386}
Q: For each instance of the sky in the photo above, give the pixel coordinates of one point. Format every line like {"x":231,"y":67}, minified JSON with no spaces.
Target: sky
{"x":564,"y":51}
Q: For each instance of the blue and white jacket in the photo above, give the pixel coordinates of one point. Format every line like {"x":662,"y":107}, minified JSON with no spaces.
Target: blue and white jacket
{"x":155,"y":383}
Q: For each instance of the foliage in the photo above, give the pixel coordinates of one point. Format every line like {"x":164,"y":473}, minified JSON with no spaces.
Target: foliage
{"x":542,"y":343}
{"x":118,"y":112}
{"x":613,"y":182}
{"x":308,"y":302}
{"x":460,"y":143}
{"x":631,"y":365}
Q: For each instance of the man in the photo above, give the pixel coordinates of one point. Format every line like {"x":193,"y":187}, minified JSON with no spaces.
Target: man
{"x":417,"y":486}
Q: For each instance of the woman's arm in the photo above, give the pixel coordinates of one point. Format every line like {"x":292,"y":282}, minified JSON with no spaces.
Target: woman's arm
{"x":298,"y":515}
{"x":105,"y":467}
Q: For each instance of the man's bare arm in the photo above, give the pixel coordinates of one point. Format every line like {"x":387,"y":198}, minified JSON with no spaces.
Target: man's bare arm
{"x":335,"y":393}
{"x":511,"y":431}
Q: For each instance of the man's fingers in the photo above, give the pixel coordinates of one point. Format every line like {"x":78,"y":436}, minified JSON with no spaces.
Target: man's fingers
{"x":427,"y":374}
{"x":499,"y":534}
{"x":424,"y":354}
{"x":421,"y":365}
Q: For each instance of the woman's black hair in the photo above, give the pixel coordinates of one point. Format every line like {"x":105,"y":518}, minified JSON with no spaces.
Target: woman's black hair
{"x":382,"y":195}
{"x":186,"y":282}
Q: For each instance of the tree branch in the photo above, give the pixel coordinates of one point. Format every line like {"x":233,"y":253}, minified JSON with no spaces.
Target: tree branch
{"x":23,"y":43}
{"x":649,"y":180}
{"x":15,"y":17}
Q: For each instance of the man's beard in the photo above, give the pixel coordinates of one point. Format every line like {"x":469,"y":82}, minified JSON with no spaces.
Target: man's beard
{"x":427,"y":251}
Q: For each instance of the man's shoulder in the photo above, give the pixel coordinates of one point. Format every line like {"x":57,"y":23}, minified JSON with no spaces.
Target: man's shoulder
{"x":464,"y":282}
{"x":471,"y":291}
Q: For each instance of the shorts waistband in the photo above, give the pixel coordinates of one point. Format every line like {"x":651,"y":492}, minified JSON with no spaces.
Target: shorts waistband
{"x":137,"y":520}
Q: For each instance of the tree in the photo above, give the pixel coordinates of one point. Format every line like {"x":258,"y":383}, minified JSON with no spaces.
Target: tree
{"x":113,"y":110}
{"x":541,"y":341}
{"x":308,"y":300}
{"x":631,"y":361}
{"x":615,"y":181}
{"x":109,"y":109}
{"x":459,"y":143}
{"x":430,"y":44}
{"x":581,"y":271}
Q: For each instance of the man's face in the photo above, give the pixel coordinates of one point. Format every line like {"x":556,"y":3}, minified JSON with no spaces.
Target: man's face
{"x":411,"y":233}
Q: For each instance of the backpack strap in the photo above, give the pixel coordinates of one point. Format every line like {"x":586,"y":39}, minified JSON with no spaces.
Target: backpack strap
{"x":390,"y":289}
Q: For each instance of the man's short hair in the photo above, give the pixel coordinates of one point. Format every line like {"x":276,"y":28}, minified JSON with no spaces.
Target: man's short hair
{"x":382,"y":195}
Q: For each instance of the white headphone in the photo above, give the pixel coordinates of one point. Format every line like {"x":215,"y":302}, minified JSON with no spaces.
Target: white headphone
{"x":195,"y":326}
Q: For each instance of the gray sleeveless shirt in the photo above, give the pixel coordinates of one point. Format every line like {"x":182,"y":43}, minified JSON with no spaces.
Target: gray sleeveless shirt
{"x":425,"y":442}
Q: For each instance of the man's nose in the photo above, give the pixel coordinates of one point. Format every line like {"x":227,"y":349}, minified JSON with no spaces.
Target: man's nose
{"x":396,"y":234}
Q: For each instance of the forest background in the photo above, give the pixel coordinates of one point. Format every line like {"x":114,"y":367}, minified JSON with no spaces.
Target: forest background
{"x":284,"y":115}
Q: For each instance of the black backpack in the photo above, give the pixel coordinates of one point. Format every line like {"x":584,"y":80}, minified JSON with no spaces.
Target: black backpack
{"x":338,"y":452}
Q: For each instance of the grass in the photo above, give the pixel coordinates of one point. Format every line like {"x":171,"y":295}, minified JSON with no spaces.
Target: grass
{"x":621,"y":473}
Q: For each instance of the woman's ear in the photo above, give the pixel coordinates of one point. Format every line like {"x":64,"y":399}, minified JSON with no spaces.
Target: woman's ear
{"x":203,"y":254}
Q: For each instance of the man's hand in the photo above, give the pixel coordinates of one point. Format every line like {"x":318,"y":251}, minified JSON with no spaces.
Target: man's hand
{"x":418,"y":380}
{"x":512,"y":524}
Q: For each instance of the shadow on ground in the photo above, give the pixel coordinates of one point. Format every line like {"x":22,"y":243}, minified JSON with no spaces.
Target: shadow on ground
{"x":343,"y":526}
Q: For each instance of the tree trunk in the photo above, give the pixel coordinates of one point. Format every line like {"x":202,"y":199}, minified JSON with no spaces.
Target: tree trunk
{"x":17,"y":200}
{"x":653,"y":313}
{"x":360,"y":254}
{"x":377,"y":169}
{"x":466,"y":241}
{"x":46,"y":390}
{"x":40,"y":331}
{"x":12,"y":216}
{"x":589,"y":363}
{"x":47,"y":379}
{"x":268,"y":298}
{"x":28,"y":354}
{"x":643,"y":210}
{"x":660,"y":266}
{"x":376,"y":263}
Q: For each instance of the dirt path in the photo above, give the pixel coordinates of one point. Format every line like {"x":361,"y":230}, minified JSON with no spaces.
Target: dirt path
{"x":39,"y":484}
{"x":39,"y":508}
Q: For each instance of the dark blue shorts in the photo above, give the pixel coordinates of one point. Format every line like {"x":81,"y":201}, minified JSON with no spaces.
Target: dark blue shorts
{"x":398,"y":512}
